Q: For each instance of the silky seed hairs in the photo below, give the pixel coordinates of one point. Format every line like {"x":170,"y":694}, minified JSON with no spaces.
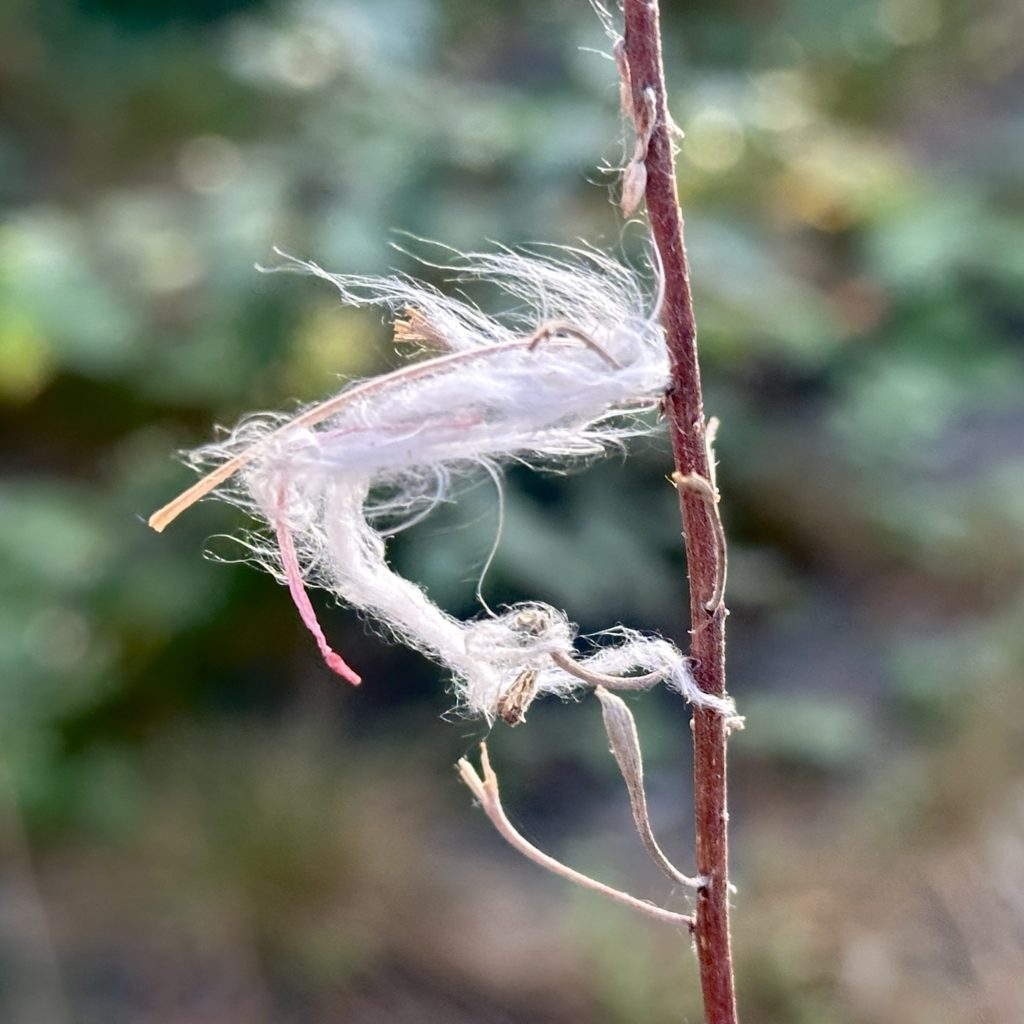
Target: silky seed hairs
{"x":564,"y":375}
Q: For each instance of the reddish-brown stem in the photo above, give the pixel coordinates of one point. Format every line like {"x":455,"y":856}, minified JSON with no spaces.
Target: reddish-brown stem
{"x":705,"y":561}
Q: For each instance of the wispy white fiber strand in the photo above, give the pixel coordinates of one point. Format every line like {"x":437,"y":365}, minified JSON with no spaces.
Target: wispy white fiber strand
{"x":560,"y":377}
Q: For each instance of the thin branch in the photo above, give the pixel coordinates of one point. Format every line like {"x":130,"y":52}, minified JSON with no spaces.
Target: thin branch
{"x":486,"y":791}
{"x":564,"y":329}
{"x":574,"y":668}
{"x":641,"y":58}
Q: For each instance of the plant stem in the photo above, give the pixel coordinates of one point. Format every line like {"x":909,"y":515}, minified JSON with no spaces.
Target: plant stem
{"x":685,"y":410}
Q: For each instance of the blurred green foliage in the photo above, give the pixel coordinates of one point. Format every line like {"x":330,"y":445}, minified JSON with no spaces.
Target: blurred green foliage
{"x":851,"y":181}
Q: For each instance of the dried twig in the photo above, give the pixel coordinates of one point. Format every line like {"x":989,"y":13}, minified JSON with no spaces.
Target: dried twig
{"x":564,"y":329}
{"x":486,"y":791}
{"x":574,"y":668}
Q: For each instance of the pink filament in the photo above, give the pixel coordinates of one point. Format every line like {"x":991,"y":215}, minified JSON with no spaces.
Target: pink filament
{"x":296,"y":587}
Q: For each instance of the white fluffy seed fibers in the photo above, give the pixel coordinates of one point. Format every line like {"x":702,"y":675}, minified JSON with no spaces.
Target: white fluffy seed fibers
{"x":560,"y":376}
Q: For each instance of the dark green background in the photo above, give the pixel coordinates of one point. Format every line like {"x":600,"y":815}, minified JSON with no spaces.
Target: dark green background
{"x":198,"y":824}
